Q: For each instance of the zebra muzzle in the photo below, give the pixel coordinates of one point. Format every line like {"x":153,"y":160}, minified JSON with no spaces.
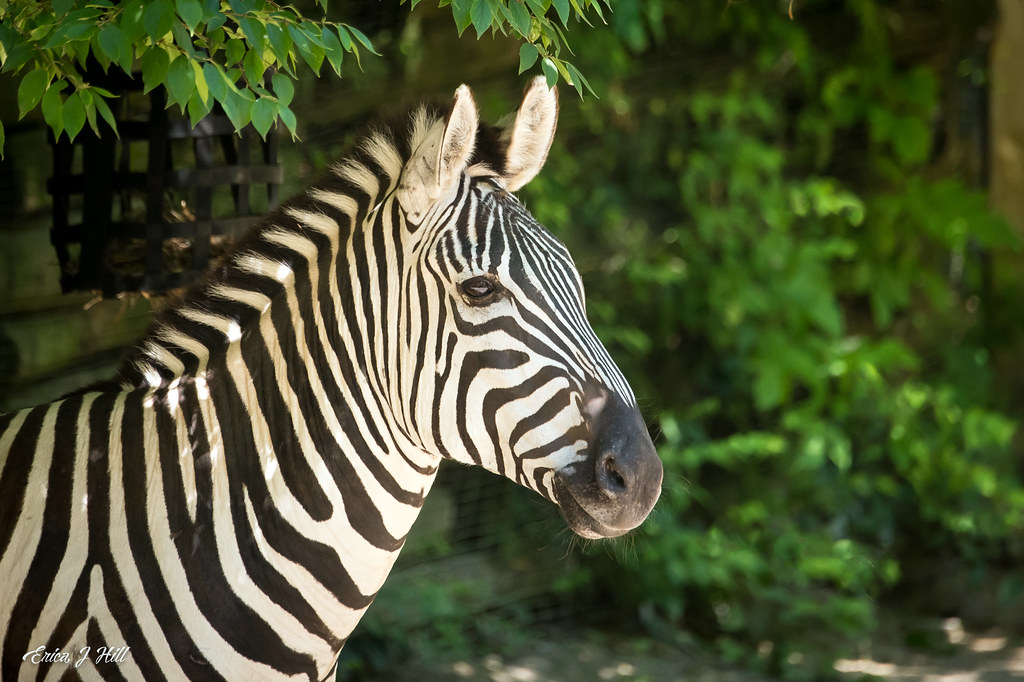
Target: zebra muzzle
{"x":614,"y":489}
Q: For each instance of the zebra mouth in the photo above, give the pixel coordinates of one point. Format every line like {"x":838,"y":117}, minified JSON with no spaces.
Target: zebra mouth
{"x":578,"y":518}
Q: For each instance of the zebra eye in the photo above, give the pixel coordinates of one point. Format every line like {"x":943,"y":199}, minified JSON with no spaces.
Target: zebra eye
{"x":478,"y":289}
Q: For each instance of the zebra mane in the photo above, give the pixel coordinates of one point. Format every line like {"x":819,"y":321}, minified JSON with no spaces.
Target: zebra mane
{"x":186,"y":337}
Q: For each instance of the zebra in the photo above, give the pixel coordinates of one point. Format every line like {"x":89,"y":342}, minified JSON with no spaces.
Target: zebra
{"x":229,"y":504}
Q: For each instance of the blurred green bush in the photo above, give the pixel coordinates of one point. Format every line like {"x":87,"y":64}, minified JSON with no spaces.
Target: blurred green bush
{"x":798,"y":299}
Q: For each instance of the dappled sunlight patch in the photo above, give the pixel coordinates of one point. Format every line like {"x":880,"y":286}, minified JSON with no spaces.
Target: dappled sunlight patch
{"x":964,"y":657}
{"x":534,"y":669}
{"x":864,"y":666}
{"x":987,"y":644}
{"x":616,"y":671}
{"x":502,"y":672}
{"x":463,"y":669}
{"x":954,"y":629}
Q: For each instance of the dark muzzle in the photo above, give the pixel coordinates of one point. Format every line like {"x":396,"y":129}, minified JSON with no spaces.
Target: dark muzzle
{"x":615,"y":487}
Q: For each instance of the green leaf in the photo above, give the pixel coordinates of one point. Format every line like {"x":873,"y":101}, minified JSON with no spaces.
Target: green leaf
{"x":215,"y":22}
{"x":131,"y":20}
{"x":284,"y":89}
{"x":462,"y":12}
{"x":183,"y":39}
{"x":312,"y":53}
{"x":211,"y":9}
{"x":346,"y":39}
{"x":90,"y":109}
{"x":520,"y":18}
{"x":288,"y":118}
{"x":158,"y":18}
{"x":560,"y":65}
{"x":110,"y":41}
{"x":97,"y":54}
{"x":214,"y":39}
{"x":280,"y":44}
{"x":362,"y":39}
{"x":104,"y":109}
{"x":216,"y":81}
{"x":550,"y":71}
{"x":53,"y":107}
{"x":126,"y":55}
{"x":154,"y":68}
{"x":912,"y":139}
{"x":61,"y":7}
{"x":254,"y":31}
{"x":332,"y":49}
{"x":480,"y":15}
{"x":527,"y":56}
{"x":116,"y":46}
{"x":17,"y":57}
{"x":73,"y":115}
{"x":77,"y":25}
{"x":234,"y":50}
{"x":770,"y":386}
{"x":314,"y":56}
{"x":190,"y":11}
{"x":299,"y":37}
{"x":264,"y":113}
{"x":197,"y":109}
{"x":238,"y":109}
{"x":181,"y":81}
{"x":313,"y":31}
{"x":82,"y":50}
{"x":580,"y":14}
{"x":31,"y":90}
{"x":202,"y":89}
{"x":254,"y":67}
{"x":562,"y":7}
{"x":39,"y":32}
{"x":578,"y":81}
{"x":538,"y":7}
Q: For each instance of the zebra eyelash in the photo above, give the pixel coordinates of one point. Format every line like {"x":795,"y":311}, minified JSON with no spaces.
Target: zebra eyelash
{"x":481,"y":290}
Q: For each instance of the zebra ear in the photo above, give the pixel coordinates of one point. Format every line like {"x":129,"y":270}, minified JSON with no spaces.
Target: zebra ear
{"x":529,"y":138}
{"x":441,"y":156}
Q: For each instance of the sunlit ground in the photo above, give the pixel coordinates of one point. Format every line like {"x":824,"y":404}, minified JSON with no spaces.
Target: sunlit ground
{"x":955,"y":655}
{"x":969,"y":657}
{"x":580,"y":656}
{"x":497,"y":670}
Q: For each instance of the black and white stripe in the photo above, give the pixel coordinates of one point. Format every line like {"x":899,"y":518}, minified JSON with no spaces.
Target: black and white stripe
{"x":230,"y":505}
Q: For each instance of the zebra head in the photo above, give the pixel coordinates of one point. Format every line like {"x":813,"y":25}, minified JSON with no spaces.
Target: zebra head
{"x":506,"y":372}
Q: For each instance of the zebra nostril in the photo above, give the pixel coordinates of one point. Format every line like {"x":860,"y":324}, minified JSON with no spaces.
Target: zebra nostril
{"x":609,"y":476}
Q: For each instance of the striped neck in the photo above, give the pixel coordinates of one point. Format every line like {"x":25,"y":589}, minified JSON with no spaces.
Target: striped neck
{"x":286,"y":359}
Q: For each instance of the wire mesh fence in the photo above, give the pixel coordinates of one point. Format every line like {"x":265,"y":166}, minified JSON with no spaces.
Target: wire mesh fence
{"x":486,"y":563}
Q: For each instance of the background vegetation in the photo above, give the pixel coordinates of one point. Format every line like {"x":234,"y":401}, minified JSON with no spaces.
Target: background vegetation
{"x":801,"y":283}
{"x":785,"y":236}
{"x":818,"y":324}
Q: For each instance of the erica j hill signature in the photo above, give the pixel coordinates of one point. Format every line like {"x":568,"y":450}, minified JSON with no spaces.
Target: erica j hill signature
{"x":76,"y":658}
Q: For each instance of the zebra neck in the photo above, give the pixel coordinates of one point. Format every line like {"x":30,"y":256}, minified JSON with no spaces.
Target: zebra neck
{"x":286,"y":361}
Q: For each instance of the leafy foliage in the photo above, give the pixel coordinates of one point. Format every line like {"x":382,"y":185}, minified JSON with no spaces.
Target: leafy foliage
{"x":528,"y":20}
{"x":787,"y":316}
{"x":239,"y":54}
